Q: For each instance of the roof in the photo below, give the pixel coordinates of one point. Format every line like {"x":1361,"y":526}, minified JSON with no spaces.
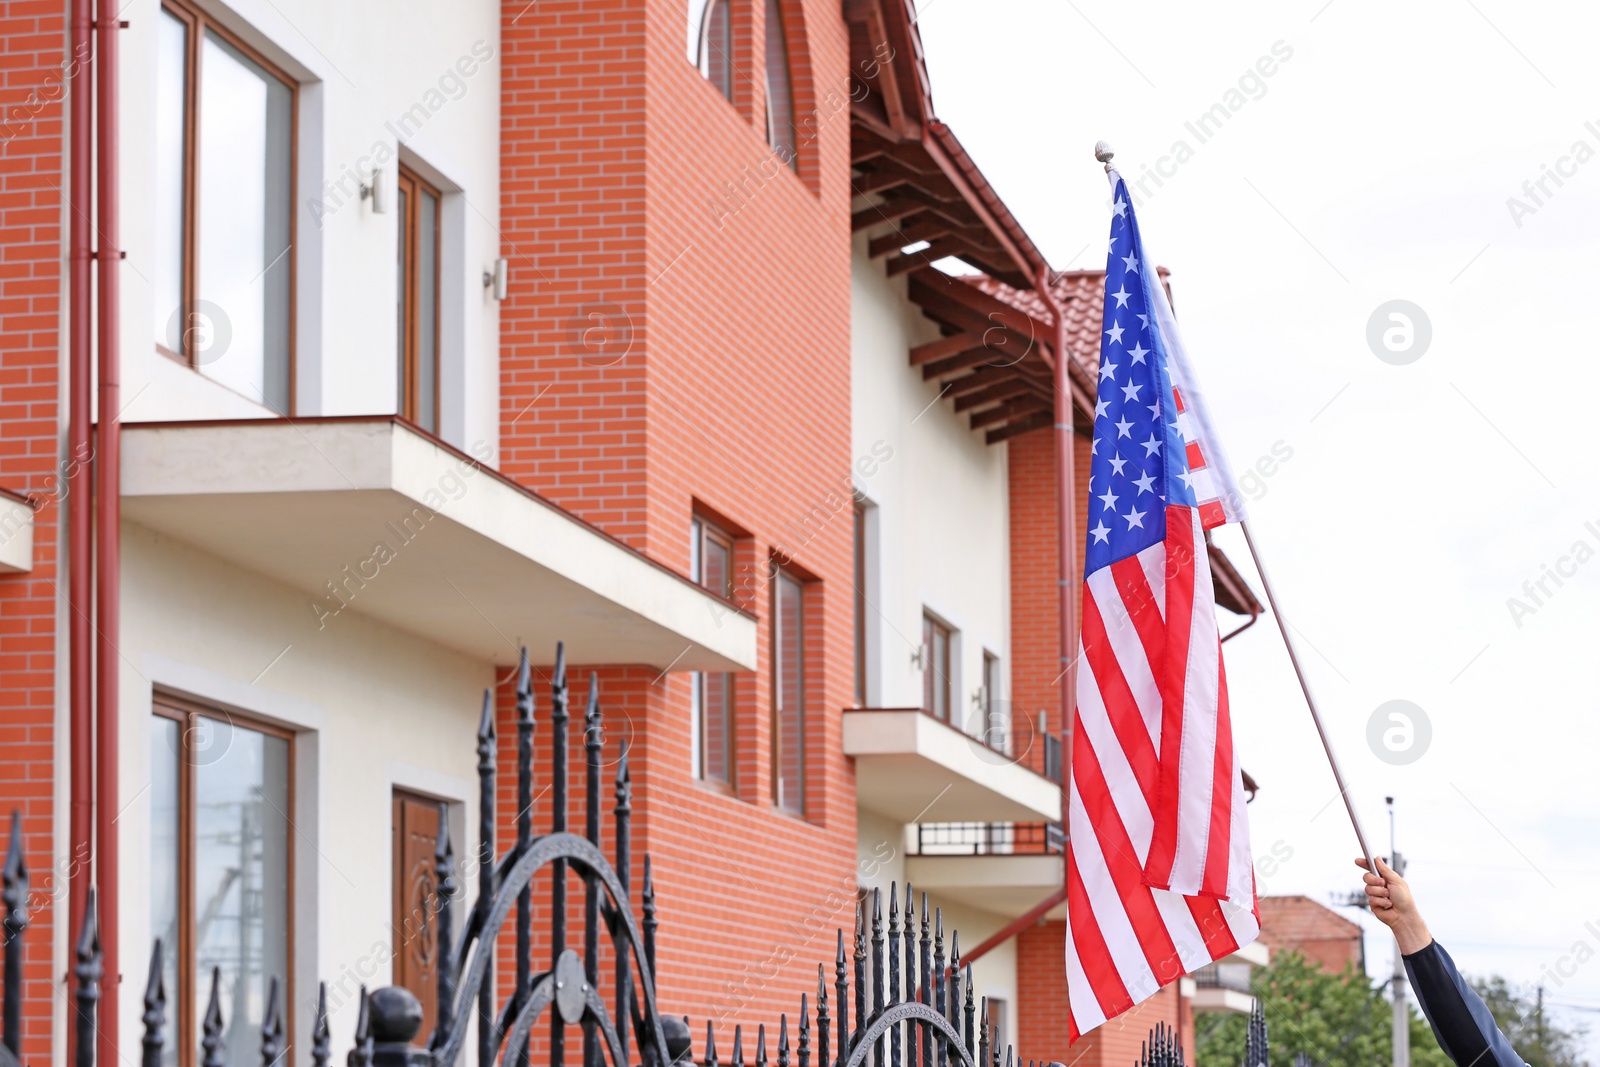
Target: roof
{"x":1081,"y":294}
{"x":1291,"y":920}
{"x":921,"y":198}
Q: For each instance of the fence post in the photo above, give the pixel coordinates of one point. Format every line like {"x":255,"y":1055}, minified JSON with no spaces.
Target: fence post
{"x":396,"y":1016}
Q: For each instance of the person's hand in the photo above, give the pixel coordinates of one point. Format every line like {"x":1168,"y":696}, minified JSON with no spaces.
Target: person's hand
{"x":1392,"y":904}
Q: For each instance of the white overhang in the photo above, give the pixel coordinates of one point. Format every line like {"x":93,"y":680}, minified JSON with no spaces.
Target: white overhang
{"x":915,"y":768}
{"x":372,"y":516}
{"x":16,"y":533}
{"x":1009,"y":885}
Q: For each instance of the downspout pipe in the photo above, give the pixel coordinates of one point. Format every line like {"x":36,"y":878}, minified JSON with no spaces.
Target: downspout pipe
{"x":79,"y":493}
{"x":108,"y":513}
{"x":1066,"y":529}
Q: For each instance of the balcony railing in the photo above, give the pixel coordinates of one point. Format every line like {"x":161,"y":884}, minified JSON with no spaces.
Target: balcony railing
{"x":1234,"y":976}
{"x":990,"y":838}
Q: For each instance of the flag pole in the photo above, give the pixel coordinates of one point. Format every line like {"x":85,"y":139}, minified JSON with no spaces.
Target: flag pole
{"x":1305,"y":688}
{"x":1104,"y":153}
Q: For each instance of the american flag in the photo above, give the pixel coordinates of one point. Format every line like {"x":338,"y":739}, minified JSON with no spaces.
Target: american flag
{"x":1159,"y":879}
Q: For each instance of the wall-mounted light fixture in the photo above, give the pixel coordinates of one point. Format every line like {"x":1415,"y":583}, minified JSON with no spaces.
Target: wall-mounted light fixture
{"x":498,"y":279}
{"x":373,"y":191}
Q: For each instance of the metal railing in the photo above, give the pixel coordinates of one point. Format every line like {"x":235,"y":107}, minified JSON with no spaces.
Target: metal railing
{"x":990,"y":838}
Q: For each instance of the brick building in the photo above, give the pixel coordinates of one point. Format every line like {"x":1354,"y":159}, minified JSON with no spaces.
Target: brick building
{"x":1316,"y":931}
{"x":680,"y":331}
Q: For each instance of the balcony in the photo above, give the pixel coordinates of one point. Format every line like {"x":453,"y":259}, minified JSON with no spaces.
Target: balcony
{"x":913,"y":767}
{"x":1001,"y":868}
{"x":371,"y":516}
{"x":1225,"y":986}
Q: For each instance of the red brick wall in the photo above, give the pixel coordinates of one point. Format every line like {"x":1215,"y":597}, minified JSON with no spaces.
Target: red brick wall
{"x":1042,"y":1016}
{"x":677,"y":337}
{"x":1036,"y":676}
{"x":32,"y":106}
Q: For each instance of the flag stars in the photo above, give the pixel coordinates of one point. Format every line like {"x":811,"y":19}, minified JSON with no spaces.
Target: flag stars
{"x":1121,"y":296}
{"x":1124,"y":428}
{"x":1100,"y":407}
{"x":1131,"y":262}
{"x":1102,"y":533}
{"x":1135,"y":518}
{"x":1131,"y":390}
{"x":1108,"y":370}
{"x":1145,"y":483}
{"x":1120,"y":207}
{"x":1117,"y":463}
{"x":1109,"y":499}
{"x":1138,"y":352}
{"x":1152,"y":446}
{"x":1115,"y":333}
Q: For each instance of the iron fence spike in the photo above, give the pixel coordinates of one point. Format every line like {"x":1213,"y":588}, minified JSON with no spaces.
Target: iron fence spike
{"x":320,"y":1038}
{"x":211,"y":1028}
{"x":155,"y":1010}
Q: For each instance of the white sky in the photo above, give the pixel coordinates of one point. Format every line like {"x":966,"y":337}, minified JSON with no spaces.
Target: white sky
{"x":1376,"y":165}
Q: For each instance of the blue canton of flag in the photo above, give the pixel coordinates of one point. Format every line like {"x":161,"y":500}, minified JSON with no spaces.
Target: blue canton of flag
{"x":1139,"y":463}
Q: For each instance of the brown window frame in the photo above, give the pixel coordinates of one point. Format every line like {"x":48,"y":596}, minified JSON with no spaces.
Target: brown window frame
{"x":198,"y":24}
{"x":779,"y":576}
{"x":776,"y":46}
{"x":705,"y":531}
{"x":184,"y":1033}
{"x":717,"y":70}
{"x":859,"y":560}
{"x":407,"y":187}
{"x":992,"y":680}
{"x":936,"y":680}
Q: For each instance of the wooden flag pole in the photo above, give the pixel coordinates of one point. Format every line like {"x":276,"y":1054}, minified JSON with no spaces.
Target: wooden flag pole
{"x":1305,"y":687}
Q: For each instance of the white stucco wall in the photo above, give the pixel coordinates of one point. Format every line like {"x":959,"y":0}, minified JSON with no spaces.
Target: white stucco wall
{"x":361,"y":65}
{"x":938,"y":539}
{"x":940,"y":501}
{"x":372,"y":708}
{"x":881,"y":847}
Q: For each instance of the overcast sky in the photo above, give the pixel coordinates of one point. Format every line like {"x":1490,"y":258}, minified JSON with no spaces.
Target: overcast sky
{"x":1373,"y":164}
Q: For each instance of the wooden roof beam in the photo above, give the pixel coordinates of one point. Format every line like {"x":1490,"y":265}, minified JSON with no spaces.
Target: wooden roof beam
{"x":944,"y":347}
{"x":1008,"y":412}
{"x":1024,"y":425}
{"x":890,"y":210}
{"x":1006,"y":390}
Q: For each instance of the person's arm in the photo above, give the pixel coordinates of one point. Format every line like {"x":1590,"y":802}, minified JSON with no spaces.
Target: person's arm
{"x":1461,"y":1021}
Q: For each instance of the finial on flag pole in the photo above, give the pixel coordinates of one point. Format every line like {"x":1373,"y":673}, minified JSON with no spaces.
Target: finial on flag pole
{"x":1102,"y":152}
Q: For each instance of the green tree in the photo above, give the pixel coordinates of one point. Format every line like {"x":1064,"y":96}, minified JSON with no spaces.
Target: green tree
{"x":1537,"y":1038}
{"x":1335,"y":1019}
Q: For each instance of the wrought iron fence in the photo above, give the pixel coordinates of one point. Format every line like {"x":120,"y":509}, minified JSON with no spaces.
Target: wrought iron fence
{"x":897,"y":997}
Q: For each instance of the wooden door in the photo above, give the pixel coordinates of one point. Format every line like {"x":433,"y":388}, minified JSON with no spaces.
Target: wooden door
{"x":416,"y":920}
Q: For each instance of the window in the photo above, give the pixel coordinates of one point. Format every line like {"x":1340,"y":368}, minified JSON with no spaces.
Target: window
{"x":860,"y":581}
{"x":996,"y":716}
{"x":788,"y":694}
{"x":418,"y":301}
{"x":223,"y":264}
{"x":936,"y":668}
{"x":220,"y":870}
{"x":780,"y":91}
{"x":711,"y":565}
{"x":711,"y":42}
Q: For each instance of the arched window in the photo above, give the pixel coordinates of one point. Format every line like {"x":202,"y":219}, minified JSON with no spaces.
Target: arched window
{"x":711,"y":42}
{"x":780,"y":90}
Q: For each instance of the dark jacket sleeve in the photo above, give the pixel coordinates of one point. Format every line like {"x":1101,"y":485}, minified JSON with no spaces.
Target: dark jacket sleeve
{"x":1459,"y":1017}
